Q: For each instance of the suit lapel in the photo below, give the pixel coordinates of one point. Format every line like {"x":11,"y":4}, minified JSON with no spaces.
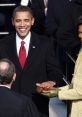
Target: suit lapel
{"x":33,"y":50}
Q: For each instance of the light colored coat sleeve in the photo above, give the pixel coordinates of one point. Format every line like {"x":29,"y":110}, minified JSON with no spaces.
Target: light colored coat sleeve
{"x":75,"y":92}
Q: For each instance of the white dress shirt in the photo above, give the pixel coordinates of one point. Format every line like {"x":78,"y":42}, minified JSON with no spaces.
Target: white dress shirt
{"x":46,"y":6}
{"x":24,"y":2}
{"x":26,"y":40}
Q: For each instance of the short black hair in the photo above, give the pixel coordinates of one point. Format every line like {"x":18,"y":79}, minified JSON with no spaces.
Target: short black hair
{"x":6,"y":74}
{"x":22,"y":9}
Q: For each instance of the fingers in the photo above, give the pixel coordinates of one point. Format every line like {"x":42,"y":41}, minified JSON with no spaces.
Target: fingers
{"x":45,"y":86}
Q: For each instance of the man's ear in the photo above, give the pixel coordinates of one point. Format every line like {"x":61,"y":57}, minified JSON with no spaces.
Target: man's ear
{"x":12,"y":21}
{"x":14,"y":76}
{"x":33,"y":20}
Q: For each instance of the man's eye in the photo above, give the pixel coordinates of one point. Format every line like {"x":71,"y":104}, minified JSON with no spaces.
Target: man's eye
{"x":17,"y":20}
{"x":26,"y":20}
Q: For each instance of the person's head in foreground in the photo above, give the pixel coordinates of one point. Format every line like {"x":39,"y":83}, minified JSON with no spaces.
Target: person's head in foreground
{"x":7,"y":72}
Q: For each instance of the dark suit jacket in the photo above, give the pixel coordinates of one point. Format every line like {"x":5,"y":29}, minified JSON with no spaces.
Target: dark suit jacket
{"x":38,"y":10}
{"x":41,"y":65}
{"x":67,"y":33}
{"x":55,"y":13}
{"x":15,"y":105}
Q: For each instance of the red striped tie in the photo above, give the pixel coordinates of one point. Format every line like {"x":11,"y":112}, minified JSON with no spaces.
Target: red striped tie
{"x":22,"y":54}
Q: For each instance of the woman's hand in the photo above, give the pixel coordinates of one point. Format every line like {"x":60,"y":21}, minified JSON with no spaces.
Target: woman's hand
{"x":45,"y":86}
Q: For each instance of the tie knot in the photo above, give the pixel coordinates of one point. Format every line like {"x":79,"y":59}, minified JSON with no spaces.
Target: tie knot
{"x":22,"y":43}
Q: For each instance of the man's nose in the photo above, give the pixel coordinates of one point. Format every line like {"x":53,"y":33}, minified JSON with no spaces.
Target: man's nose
{"x":22,"y":23}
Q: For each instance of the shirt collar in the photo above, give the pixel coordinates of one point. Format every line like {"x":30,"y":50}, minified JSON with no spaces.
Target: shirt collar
{"x":7,"y":86}
{"x":26,"y":39}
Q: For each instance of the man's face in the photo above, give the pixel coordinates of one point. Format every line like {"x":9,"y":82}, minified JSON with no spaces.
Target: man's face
{"x":23,"y":22}
{"x":80,"y":32}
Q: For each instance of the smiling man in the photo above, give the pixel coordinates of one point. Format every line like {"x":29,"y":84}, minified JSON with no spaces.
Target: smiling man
{"x":23,"y":21}
{"x":34,"y":59}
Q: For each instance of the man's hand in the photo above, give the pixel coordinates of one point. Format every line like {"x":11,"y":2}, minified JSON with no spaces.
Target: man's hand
{"x":45,"y":86}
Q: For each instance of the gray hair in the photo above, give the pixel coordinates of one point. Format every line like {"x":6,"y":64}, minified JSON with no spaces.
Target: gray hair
{"x":7,"y":70}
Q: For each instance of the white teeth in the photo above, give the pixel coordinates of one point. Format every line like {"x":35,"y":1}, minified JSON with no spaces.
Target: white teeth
{"x":22,"y":29}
